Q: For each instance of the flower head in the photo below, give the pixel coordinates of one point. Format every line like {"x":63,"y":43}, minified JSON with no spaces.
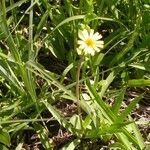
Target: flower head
{"x":89,"y":42}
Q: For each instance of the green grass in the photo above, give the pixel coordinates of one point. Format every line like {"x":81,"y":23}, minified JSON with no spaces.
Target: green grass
{"x":28,"y":89}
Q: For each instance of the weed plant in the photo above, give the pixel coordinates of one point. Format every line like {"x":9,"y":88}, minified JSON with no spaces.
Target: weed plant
{"x":39,"y":63}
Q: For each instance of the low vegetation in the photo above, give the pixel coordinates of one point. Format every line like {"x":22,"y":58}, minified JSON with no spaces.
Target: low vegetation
{"x":74,"y":74}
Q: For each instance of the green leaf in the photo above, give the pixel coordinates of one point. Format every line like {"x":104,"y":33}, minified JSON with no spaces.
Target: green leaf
{"x":106,"y":129}
{"x":86,"y":121}
{"x":98,"y":58}
{"x":67,"y":20}
{"x":106,"y":83}
{"x":3,"y":147}
{"x":106,"y":111}
{"x":125,"y":140}
{"x":43,"y":135}
{"x":72,"y":145}
{"x":130,"y":108}
{"x":65,"y":72}
{"x":17,"y":4}
{"x":137,"y":133}
{"x":50,"y":78}
{"x":4,"y":138}
{"x":62,"y":120}
{"x":117,"y":145}
{"x":75,"y":120}
{"x":147,"y":147}
{"x":19,"y":146}
{"x":141,"y":66}
{"x":41,"y":24}
{"x":118,"y":101}
{"x":129,"y":45}
{"x":139,"y":82}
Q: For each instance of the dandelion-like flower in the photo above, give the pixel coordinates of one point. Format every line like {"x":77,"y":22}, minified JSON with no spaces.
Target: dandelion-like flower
{"x":89,"y":42}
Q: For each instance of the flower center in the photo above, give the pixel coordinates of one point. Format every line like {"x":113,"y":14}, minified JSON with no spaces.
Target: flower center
{"x":89,"y":42}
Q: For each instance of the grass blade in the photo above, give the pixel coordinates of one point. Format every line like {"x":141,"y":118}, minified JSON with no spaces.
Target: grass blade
{"x":116,"y":106}
{"x":130,"y":108}
{"x":43,"y":135}
{"x":139,"y":82}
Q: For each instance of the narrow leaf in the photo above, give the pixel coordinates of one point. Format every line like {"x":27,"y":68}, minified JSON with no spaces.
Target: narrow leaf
{"x":139,"y":82}
{"x":118,"y":101}
{"x":43,"y":135}
{"x":4,"y":138}
{"x":130,"y":108}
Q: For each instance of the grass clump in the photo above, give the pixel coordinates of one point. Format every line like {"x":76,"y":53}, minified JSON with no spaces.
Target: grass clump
{"x":66,"y":72}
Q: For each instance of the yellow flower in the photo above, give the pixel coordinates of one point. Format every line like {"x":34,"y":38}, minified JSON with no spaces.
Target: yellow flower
{"x":89,"y":42}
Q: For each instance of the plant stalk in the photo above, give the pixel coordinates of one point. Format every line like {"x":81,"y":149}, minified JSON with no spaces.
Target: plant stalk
{"x":78,"y":84}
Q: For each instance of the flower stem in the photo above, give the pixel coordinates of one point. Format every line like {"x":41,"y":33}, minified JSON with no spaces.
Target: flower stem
{"x":78,"y":85}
